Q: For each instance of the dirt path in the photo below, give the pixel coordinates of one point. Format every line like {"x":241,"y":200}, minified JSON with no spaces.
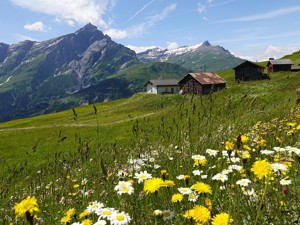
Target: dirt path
{"x":77,"y":124}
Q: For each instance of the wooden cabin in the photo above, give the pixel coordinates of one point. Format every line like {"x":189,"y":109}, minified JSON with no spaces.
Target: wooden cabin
{"x":279,"y":65}
{"x":248,"y":71}
{"x":161,"y":86}
{"x":201,"y":83}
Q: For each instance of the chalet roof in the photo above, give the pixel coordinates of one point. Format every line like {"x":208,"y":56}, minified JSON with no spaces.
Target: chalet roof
{"x":205,"y":78}
{"x":280,"y":62}
{"x":248,"y":62}
{"x":163,"y":82}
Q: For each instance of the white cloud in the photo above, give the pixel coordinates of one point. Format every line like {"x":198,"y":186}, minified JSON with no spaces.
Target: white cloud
{"x":37,"y":26}
{"x":266,"y":15}
{"x":116,"y":34}
{"x":141,"y":48}
{"x":172,"y":45}
{"x":140,"y":29}
{"x":141,"y":10}
{"x":201,"y":8}
{"x":78,"y":11}
{"x":276,"y":52}
{"x":163,"y":14}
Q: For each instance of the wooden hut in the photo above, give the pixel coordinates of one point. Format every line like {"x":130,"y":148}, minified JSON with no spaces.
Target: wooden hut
{"x":279,"y":65}
{"x":248,"y":71}
{"x":201,"y":83}
{"x":161,"y":86}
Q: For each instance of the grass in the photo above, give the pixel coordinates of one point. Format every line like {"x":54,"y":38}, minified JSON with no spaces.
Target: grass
{"x":70,"y":159}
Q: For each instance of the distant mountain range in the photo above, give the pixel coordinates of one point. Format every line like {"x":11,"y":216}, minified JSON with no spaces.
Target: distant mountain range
{"x":201,"y":57}
{"x":87,"y":66}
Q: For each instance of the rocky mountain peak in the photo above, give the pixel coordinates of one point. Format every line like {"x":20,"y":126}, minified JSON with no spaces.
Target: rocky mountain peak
{"x":206,"y":44}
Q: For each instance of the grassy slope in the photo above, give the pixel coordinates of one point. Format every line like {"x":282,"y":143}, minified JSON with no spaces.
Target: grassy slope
{"x":40,"y":151}
{"x":247,"y":102}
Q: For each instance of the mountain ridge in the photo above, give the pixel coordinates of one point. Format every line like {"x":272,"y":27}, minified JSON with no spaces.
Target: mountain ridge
{"x":198,"y":57}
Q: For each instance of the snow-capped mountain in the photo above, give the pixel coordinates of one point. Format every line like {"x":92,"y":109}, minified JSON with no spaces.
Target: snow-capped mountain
{"x":197,"y":57}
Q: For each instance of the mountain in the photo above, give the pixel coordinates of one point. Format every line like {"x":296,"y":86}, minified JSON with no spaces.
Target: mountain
{"x":201,"y":57}
{"x":34,"y":73}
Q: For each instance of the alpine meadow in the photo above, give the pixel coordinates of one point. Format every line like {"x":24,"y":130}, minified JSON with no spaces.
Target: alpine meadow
{"x":230,"y":157}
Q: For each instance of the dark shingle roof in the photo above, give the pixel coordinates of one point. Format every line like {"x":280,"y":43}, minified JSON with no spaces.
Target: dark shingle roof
{"x":206,"y":78}
{"x":281,"y":62}
{"x":162,"y":82}
{"x":248,"y":62}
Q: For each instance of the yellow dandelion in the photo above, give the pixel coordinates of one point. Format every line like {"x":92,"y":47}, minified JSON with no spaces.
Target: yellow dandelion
{"x":201,"y":188}
{"x":71,"y":212}
{"x":168,"y":183}
{"x":177,"y":197}
{"x":201,"y":214}
{"x":244,"y":138}
{"x":87,"y":222}
{"x":65,"y":219}
{"x":27,"y":205}
{"x":229,"y":145}
{"x":189,"y":214}
{"x":83,"y":214}
{"x":261,"y":169}
{"x":221,"y":219}
{"x":152,"y":185}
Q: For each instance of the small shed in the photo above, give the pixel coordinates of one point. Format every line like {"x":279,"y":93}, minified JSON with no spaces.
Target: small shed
{"x":279,"y":65}
{"x":248,"y":71}
{"x":201,"y":83}
{"x":162,"y":86}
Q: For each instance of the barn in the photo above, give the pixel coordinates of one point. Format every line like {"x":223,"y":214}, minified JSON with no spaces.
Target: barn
{"x":248,"y":71}
{"x":279,"y":65}
{"x":162,"y":86}
{"x":201,"y":83}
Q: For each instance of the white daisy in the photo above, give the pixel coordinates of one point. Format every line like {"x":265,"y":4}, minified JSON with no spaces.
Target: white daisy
{"x":142,"y":176}
{"x":120,"y":218}
{"x":243,"y":182}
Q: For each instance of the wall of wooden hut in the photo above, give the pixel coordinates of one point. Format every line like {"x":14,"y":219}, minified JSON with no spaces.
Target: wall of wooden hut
{"x":247,"y":72}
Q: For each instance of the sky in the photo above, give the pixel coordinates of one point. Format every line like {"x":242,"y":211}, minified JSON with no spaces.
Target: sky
{"x":251,"y":29}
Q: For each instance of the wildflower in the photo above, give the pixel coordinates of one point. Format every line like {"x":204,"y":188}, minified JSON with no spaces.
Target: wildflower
{"x":167,"y":214}
{"x":261,"y":169}
{"x":152,"y":185}
{"x":244,"y":138}
{"x":142,"y":176}
{"x":83,"y":214}
{"x":243,"y":182}
{"x":285,"y":182}
{"x":168,"y":183}
{"x":278,"y":167}
{"x":87,"y":222}
{"x":120,"y":218}
{"x":28,"y":207}
{"x":65,"y":219}
{"x":229,"y":145}
{"x":185,"y":190}
{"x":197,"y":172}
{"x":201,"y":214}
{"x":157,"y":212}
{"x":100,"y":222}
{"x":94,"y":206}
{"x":192,"y":197}
{"x":189,"y":214}
{"x":221,"y":219}
{"x":71,"y":212}
{"x":105,"y":213}
{"x":208,"y":203}
{"x":124,"y":187}
{"x":199,"y":160}
{"x":180,"y":177}
{"x":211,"y":152}
{"x":220,"y":176}
{"x":177,"y":197}
{"x":201,"y":188}
{"x":75,"y":186}
{"x":267,"y":152}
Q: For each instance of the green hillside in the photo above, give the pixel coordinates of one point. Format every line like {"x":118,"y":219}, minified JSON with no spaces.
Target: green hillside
{"x":69,"y":160}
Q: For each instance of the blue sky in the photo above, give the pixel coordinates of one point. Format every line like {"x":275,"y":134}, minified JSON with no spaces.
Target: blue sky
{"x":251,"y":29}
